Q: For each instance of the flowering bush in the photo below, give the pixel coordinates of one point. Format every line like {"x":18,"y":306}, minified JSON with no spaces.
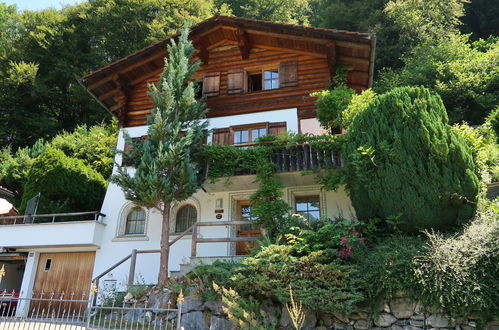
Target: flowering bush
{"x":336,"y":238}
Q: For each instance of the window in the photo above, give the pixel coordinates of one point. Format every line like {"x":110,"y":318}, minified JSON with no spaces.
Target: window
{"x":270,"y":79}
{"x":244,"y":136}
{"x":186,"y":216}
{"x":255,"y":82}
{"x":135,"y":222}
{"x":308,"y":207}
{"x":48,"y":264}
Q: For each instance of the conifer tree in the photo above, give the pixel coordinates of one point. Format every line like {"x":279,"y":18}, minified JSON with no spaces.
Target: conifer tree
{"x":168,"y":165}
{"x":402,"y":159}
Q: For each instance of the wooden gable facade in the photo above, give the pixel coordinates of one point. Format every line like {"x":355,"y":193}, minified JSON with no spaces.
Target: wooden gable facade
{"x":290,"y":61}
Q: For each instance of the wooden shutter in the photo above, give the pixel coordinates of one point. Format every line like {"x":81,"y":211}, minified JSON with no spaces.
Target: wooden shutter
{"x":237,"y":81}
{"x":288,"y":74}
{"x":211,"y":84}
{"x":221,"y":136}
{"x":276,"y":128}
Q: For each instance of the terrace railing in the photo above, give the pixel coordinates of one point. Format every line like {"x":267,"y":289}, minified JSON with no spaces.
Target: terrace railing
{"x":52,"y":218}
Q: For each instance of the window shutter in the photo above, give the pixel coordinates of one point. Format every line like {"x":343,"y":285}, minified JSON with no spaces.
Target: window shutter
{"x":236,"y":81}
{"x":276,"y":128}
{"x":288,"y":74}
{"x":220,"y":136}
{"x":211,"y":84}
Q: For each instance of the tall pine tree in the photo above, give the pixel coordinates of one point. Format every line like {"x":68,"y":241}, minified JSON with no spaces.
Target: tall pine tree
{"x":169,"y":166}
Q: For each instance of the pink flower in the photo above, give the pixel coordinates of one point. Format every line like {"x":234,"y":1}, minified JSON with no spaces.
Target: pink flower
{"x":343,"y":240}
{"x":346,"y":252}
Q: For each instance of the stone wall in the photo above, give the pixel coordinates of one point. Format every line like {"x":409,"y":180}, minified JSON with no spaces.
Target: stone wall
{"x":401,"y":313}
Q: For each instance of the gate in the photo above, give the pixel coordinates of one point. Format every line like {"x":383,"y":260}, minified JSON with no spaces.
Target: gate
{"x":60,"y":311}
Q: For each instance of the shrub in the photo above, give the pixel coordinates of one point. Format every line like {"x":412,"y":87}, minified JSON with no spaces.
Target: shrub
{"x":493,"y":121}
{"x":320,"y":287}
{"x":388,"y":267}
{"x":66,"y":184}
{"x":402,"y":158}
{"x":460,"y":273}
{"x":334,"y":238}
{"x":93,"y":145}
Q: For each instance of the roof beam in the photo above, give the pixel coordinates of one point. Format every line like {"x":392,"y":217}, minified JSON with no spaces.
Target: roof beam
{"x":243,"y":44}
{"x":203,"y":53}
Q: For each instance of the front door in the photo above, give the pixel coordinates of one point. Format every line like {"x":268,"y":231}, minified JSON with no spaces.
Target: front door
{"x":244,"y":214}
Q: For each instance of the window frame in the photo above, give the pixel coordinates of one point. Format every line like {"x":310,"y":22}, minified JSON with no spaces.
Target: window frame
{"x":121,"y":224}
{"x":261,"y":71}
{"x":249,"y":128}
{"x":133,"y":209}
{"x":175,"y":231}
{"x":318,"y":196}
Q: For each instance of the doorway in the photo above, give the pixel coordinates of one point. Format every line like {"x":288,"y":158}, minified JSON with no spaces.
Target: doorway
{"x":243,"y":213}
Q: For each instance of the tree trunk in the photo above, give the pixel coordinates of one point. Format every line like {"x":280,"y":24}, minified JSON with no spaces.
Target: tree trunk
{"x":165,"y":246}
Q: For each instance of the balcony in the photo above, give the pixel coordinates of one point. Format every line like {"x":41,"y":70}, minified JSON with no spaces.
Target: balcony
{"x":51,"y":230}
{"x":289,"y":162}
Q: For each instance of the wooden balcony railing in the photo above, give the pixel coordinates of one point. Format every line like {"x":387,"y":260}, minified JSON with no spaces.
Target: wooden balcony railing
{"x":304,"y":157}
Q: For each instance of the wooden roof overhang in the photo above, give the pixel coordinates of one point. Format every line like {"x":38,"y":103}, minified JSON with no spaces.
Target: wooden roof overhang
{"x":111,"y":84}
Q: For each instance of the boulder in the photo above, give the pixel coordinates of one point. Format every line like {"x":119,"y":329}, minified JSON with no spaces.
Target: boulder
{"x":437,"y":321}
{"x":310,"y":319}
{"x":193,"y":321}
{"x":215,"y":307}
{"x":160,"y":300}
{"x":384,"y":320}
{"x":362,"y":324}
{"x":273,"y":311}
{"x":192,"y":303}
{"x":220,"y":323}
{"x":402,"y":308}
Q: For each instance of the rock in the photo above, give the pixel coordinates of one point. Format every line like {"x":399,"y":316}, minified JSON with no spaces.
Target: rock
{"x":396,"y":327}
{"x":384,"y":320}
{"x":327,"y":320}
{"x":417,"y":317}
{"x":309,"y":323}
{"x":192,"y":303}
{"x":273,"y":311}
{"x":402,"y":322}
{"x":128,"y":298}
{"x":321,"y":327}
{"x":416,"y":323}
{"x":467,"y":327}
{"x":362,"y":324}
{"x":359,"y":315}
{"x":133,"y":315}
{"x":339,"y":326}
{"x":410,"y":327}
{"x":215,"y":307}
{"x":219,"y":323}
{"x":437,"y":321}
{"x":402,"y":308}
{"x":493,"y":327}
{"x":341,"y":317}
{"x":193,"y":321}
{"x":159,"y":300}
{"x":472,"y":324}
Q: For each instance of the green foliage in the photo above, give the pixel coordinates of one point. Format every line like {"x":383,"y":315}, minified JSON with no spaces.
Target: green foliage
{"x":493,"y":121}
{"x":245,"y":313}
{"x":402,"y":158}
{"x":459,"y":273}
{"x":331,"y":104}
{"x":203,"y":275}
{"x":333,"y":238}
{"x":358,"y":103}
{"x":267,"y":203}
{"x":93,"y":145}
{"x":388,"y":267}
{"x":426,"y":20}
{"x":320,"y":287}
{"x":66,"y":184}
{"x":465,"y":75}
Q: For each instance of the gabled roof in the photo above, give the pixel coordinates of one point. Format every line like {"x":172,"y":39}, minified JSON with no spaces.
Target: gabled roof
{"x":109,"y":83}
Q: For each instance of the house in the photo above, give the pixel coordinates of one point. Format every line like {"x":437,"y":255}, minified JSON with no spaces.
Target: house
{"x":256,"y":78}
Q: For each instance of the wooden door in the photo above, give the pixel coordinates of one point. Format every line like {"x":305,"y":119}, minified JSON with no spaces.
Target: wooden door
{"x":244,"y":213}
{"x":62,"y":276}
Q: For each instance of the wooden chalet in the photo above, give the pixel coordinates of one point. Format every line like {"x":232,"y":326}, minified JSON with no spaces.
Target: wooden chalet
{"x":247,"y":66}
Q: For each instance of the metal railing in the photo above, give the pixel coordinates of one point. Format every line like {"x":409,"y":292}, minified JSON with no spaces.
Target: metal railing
{"x":57,"y":311}
{"x":52,"y":218}
{"x":195,"y":241}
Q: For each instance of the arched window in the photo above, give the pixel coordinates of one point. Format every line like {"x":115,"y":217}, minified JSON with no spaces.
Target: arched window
{"x":186,"y":216}
{"x":135,"y":222}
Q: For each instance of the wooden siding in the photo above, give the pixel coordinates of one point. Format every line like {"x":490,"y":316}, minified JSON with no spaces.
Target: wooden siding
{"x":69,"y":272}
{"x":313,"y":75}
